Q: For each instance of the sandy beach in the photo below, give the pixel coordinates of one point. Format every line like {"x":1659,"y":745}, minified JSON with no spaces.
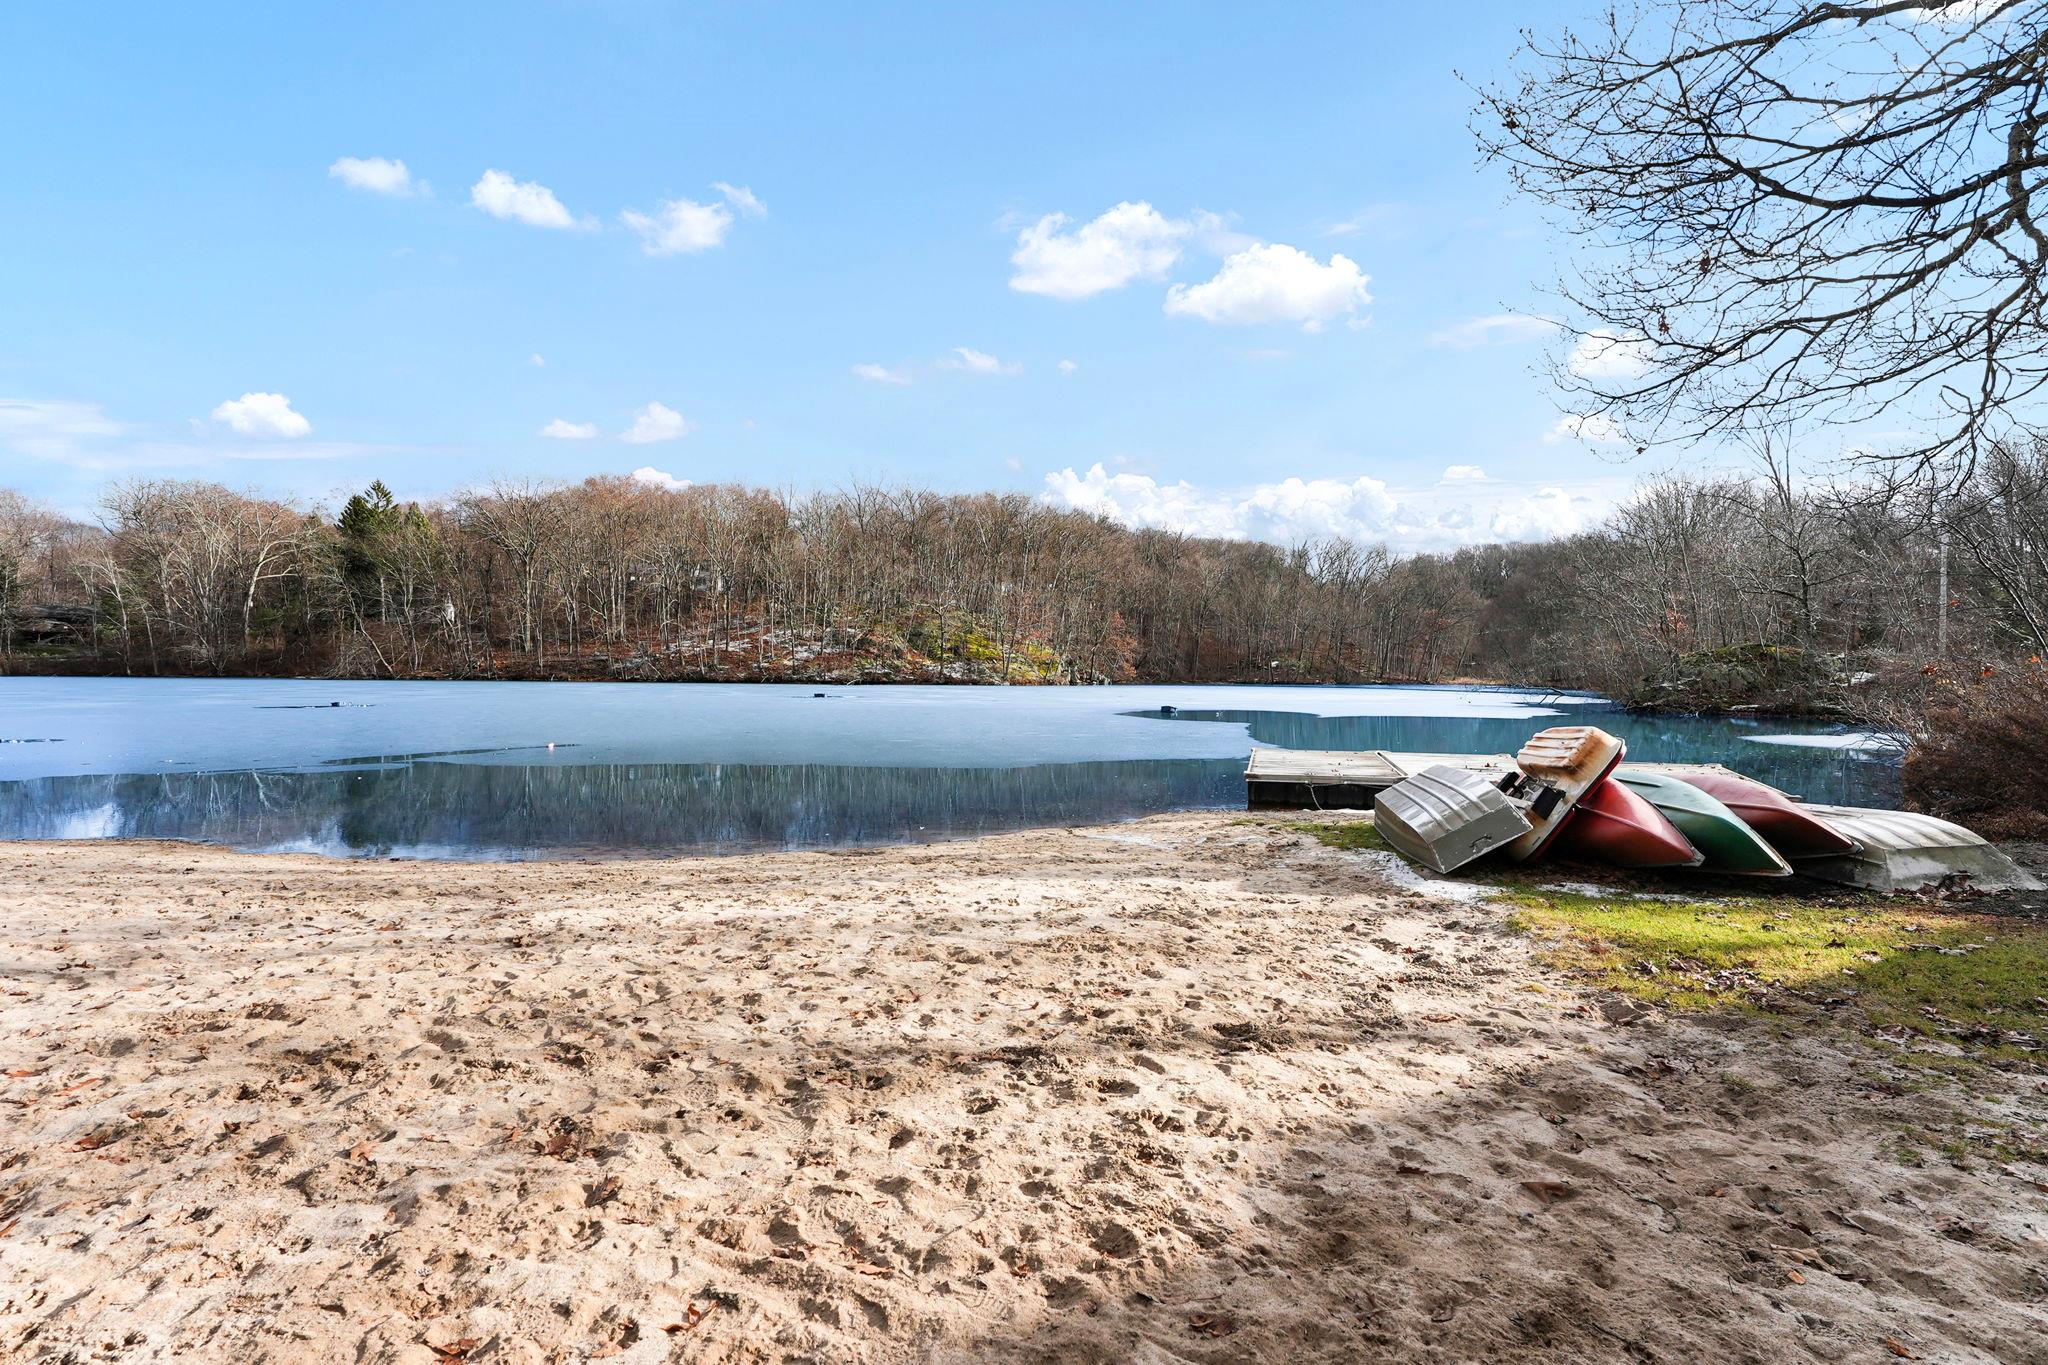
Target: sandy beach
{"x":1196,"y":1088}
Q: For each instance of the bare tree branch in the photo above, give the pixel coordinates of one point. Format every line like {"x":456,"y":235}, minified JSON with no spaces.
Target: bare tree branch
{"x":1795,"y":214}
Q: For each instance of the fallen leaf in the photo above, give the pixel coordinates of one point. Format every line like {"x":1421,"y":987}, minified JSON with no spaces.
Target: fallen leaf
{"x":19,"y":1071}
{"x":1441,"y":1018}
{"x":865,"y":1268}
{"x":93,"y":1141}
{"x":1795,"y":1277}
{"x":1549,"y":1191}
{"x":1211,"y":1325}
{"x":602,"y":1193}
{"x":691,"y":1319}
{"x":1892,"y":1344}
{"x":361,"y":1151}
{"x":454,"y":1350}
{"x":80,"y":1085}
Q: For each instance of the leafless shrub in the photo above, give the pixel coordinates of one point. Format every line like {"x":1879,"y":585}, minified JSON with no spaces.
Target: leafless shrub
{"x":1983,"y":758}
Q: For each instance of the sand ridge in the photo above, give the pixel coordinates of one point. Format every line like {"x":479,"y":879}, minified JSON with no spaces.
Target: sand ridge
{"x":1190,"y":1089}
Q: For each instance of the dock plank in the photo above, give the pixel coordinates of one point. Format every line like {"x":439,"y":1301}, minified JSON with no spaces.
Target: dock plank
{"x":1344,"y":779}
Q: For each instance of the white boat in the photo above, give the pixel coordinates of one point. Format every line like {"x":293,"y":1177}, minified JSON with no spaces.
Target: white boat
{"x":1559,"y":765}
{"x":1904,"y":851}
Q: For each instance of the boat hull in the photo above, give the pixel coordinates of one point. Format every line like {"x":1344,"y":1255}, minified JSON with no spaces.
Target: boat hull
{"x":1445,"y":817}
{"x":1613,"y":824}
{"x":1792,"y":831}
{"x":1727,"y":844}
{"x":1904,"y":851}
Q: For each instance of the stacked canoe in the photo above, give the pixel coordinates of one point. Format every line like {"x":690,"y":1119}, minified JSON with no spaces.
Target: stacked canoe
{"x":1569,"y":793}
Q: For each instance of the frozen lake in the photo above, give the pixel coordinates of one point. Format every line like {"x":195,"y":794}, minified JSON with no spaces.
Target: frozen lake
{"x":508,"y":770}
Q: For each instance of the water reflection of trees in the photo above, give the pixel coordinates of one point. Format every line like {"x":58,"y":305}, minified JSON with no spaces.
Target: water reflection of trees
{"x":515,"y":810}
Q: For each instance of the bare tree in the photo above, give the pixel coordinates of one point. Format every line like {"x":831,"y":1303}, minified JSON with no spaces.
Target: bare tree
{"x":1805,"y":542}
{"x":29,"y":532}
{"x":1795,"y":213}
{"x":523,"y":520}
{"x":2000,"y":519}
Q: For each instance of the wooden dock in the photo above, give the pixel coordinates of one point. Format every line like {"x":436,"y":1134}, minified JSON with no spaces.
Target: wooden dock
{"x":1349,"y":779}
{"x":1343,"y":779}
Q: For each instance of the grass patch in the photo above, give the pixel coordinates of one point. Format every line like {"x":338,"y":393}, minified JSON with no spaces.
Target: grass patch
{"x":1350,"y":837}
{"x":1910,"y":972}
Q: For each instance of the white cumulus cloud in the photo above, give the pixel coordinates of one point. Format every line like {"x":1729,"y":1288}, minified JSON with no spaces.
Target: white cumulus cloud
{"x":979,"y":362}
{"x":1546,"y":513}
{"x":1498,"y":329}
{"x":1364,"y":509}
{"x":880,"y":374}
{"x":1132,"y":241}
{"x":563,"y":430}
{"x":1464,"y":473}
{"x":680,"y":227}
{"x":1605,"y":354}
{"x":656,"y":422}
{"x":658,"y":478}
{"x":376,"y":174}
{"x":1068,"y":367}
{"x":741,"y":198}
{"x":262,"y":414}
{"x":521,"y":201}
{"x":1271,"y":282}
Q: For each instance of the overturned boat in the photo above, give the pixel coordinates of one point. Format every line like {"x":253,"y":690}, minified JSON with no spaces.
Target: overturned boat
{"x":1445,"y":817}
{"x":1558,"y":766}
{"x":1784,"y":824}
{"x":1728,"y":844}
{"x":1614,"y":825}
{"x":1902,"y":851}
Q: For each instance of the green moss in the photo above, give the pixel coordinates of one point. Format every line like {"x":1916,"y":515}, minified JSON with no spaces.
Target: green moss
{"x":1350,"y":837}
{"x":1773,"y":678}
{"x":1911,"y":972}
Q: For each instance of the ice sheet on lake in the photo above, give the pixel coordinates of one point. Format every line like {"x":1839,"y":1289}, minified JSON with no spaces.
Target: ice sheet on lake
{"x":134,"y":725}
{"x":1862,"y":741}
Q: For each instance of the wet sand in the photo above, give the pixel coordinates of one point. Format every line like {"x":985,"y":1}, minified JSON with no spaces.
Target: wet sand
{"x":1191,"y":1089}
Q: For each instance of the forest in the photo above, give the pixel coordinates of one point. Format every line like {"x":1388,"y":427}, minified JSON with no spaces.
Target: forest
{"x":1686,"y":581}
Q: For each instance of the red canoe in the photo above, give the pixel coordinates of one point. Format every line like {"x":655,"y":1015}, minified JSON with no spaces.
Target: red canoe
{"x":1766,"y":810}
{"x":1612,"y":824}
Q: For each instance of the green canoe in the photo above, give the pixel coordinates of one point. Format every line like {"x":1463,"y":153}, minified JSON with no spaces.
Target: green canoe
{"x":1717,"y":832}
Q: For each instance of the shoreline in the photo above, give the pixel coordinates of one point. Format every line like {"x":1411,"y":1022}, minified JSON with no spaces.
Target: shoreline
{"x":1193,"y":1087}
{"x":797,"y":680}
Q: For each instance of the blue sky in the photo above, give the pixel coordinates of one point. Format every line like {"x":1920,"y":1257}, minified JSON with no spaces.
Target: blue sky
{"x":841,"y":261}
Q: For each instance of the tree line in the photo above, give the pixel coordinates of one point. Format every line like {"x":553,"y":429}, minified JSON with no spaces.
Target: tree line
{"x":611,"y":578}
